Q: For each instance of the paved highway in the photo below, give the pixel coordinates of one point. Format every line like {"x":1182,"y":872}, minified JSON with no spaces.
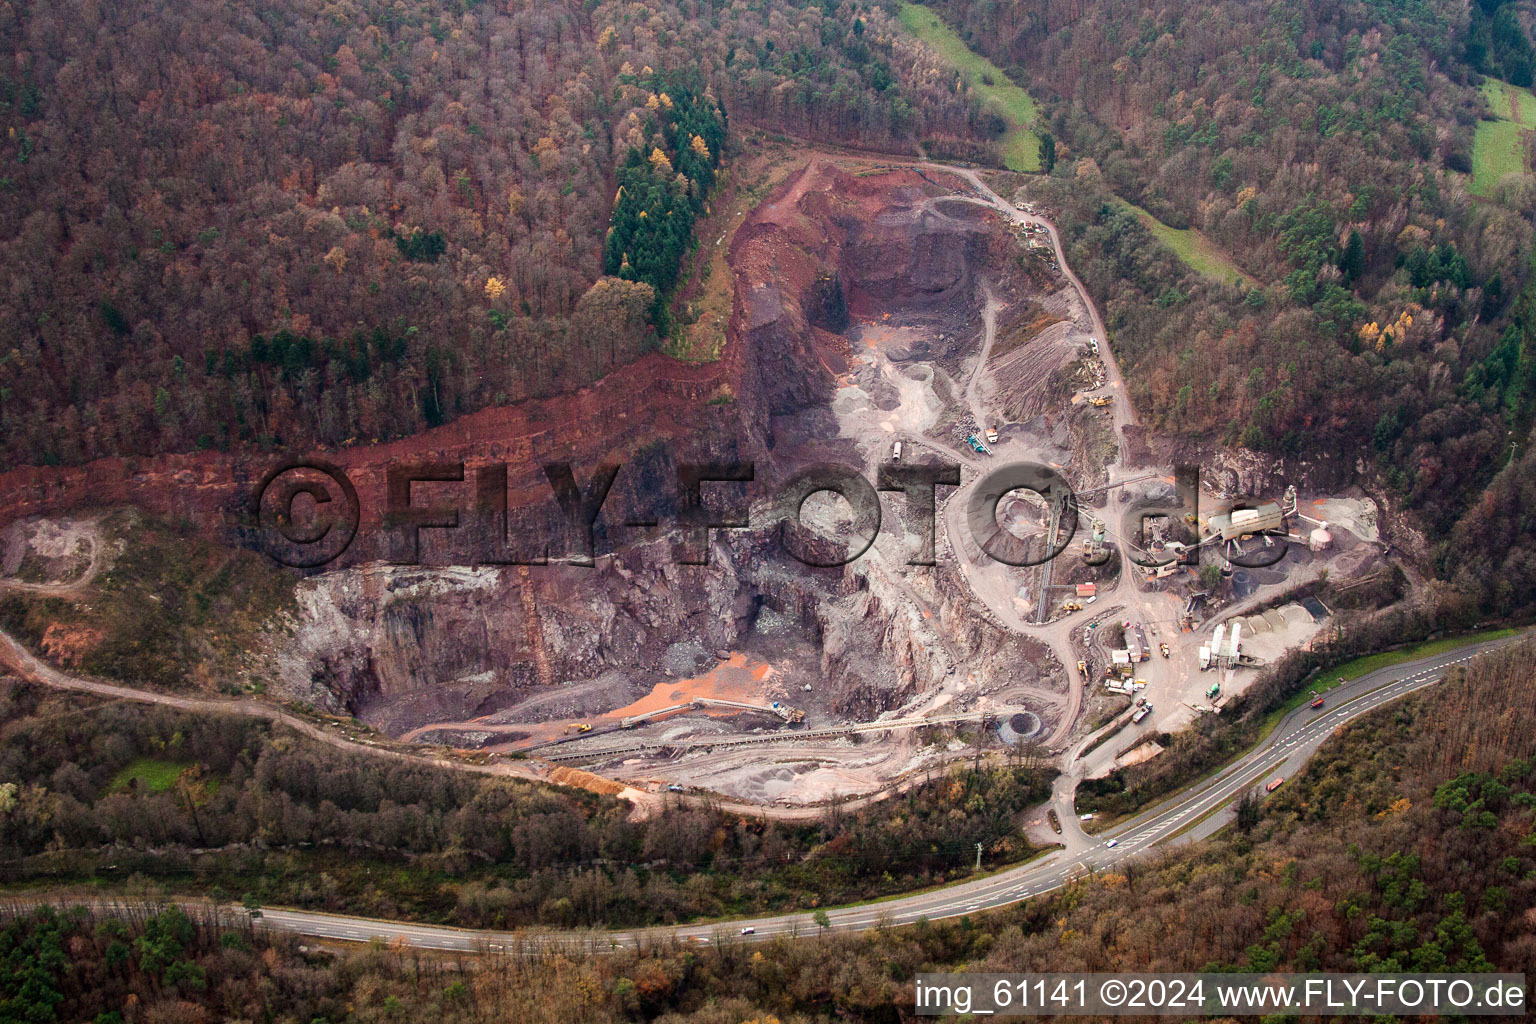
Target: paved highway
{"x":1190,"y":815}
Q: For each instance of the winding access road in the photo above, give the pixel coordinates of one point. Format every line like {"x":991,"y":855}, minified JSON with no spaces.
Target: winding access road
{"x":1190,"y":815}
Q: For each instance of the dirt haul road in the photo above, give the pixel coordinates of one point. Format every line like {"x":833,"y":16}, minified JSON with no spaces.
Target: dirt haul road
{"x":988,"y":580}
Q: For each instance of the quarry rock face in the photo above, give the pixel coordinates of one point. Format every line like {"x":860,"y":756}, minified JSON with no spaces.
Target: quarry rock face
{"x":455,"y":639}
{"x":396,"y":645}
{"x":399,"y":646}
{"x":404,"y":645}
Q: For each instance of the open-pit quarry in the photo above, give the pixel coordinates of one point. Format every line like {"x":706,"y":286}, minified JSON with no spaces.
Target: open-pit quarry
{"x":888,"y":307}
{"x":881,"y":315}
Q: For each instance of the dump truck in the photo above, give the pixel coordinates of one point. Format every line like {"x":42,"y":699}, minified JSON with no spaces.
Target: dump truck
{"x":991,"y":435}
{"x":1141,"y":712}
{"x":896,"y":452}
{"x":1205,"y":658}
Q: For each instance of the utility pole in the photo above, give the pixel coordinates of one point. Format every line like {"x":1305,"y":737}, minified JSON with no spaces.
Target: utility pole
{"x":978,"y":856}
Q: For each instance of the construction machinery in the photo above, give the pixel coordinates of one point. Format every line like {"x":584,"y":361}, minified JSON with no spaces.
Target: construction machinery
{"x":1100,"y":401}
{"x":1072,"y":606}
{"x":1213,"y":691}
{"x":976,"y":445}
{"x":991,"y":435}
{"x":1141,"y":712}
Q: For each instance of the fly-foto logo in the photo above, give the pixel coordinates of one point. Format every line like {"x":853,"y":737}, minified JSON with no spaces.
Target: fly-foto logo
{"x":307,"y":514}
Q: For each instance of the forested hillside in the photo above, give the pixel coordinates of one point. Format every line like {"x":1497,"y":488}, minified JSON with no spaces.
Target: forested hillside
{"x":1328,"y":148}
{"x":1407,"y":845}
{"x":96,"y":790}
{"x":298,"y":222}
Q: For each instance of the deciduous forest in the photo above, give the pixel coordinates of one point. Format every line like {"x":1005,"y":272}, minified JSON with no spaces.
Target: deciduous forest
{"x":295,"y":223}
{"x":231,"y":806}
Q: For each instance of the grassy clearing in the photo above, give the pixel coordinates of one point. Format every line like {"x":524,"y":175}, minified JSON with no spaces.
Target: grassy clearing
{"x":1020,"y":145}
{"x":1498,"y":149}
{"x":156,"y":776}
{"x":1198,"y":252}
{"x":1352,"y":670}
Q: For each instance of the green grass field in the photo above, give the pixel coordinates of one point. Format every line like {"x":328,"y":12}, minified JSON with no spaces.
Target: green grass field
{"x":1199,"y":252}
{"x":156,"y":776}
{"x":1498,"y":147}
{"x":1352,"y":670}
{"x":1020,"y":145}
